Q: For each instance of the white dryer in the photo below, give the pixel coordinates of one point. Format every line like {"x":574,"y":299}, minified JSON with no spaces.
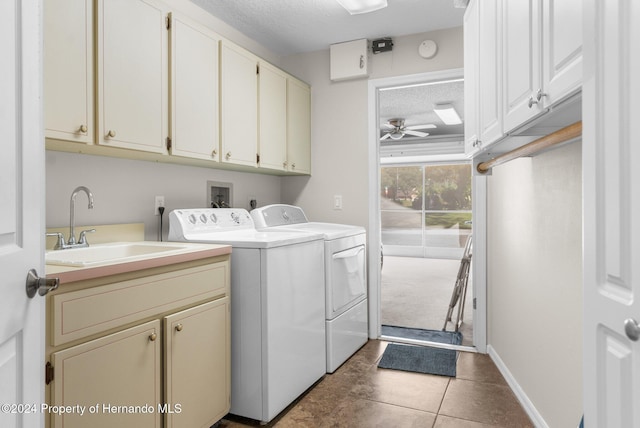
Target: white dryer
{"x":277,"y":307}
{"x":344,"y":272}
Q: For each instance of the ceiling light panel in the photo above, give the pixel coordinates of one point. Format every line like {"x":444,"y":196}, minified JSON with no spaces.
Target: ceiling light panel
{"x":355,"y":7}
{"x":447,"y":114}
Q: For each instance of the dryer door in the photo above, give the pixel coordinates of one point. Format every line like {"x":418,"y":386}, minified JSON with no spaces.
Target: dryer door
{"x":347,"y":279}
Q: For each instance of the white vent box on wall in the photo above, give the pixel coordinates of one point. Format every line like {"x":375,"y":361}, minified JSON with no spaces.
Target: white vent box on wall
{"x":349,"y":60}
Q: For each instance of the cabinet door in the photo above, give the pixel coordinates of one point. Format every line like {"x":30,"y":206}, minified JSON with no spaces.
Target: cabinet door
{"x":298,"y":127}
{"x":122,"y":369}
{"x":349,"y":60}
{"x":522,"y":64}
{"x":273,"y":118}
{"x":198,"y":371}
{"x":562,"y":47}
{"x":132,"y":74}
{"x":490,"y":91}
{"x":194,"y":90}
{"x":239,"y":105}
{"x":68,"y":70}
{"x":471,"y":78}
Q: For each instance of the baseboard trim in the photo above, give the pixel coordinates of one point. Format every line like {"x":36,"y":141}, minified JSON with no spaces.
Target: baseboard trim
{"x":522,"y":397}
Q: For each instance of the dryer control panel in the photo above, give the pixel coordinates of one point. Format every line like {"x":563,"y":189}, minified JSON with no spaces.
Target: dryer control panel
{"x":278,"y":215}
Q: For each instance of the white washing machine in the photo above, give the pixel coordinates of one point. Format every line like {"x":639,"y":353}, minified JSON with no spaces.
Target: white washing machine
{"x":345,"y":276}
{"x":277,"y":307}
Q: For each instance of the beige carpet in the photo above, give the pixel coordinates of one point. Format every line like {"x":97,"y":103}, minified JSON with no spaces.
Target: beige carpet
{"x":416,"y":293}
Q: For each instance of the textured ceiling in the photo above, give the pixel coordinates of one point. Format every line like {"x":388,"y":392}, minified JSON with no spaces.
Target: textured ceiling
{"x":289,"y":27}
{"x":293,"y":26}
{"x":415,"y":105}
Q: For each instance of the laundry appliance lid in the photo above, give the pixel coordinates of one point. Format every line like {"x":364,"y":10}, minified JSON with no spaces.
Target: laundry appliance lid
{"x":290,"y":217}
{"x":231,"y":226}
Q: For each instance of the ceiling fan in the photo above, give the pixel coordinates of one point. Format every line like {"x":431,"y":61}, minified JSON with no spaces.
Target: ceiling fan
{"x":396,"y":129}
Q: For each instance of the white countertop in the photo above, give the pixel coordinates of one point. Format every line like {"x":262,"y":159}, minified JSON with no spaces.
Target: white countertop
{"x":184,"y":252}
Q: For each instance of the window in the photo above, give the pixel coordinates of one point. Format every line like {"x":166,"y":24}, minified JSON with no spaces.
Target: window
{"x":425,"y":209}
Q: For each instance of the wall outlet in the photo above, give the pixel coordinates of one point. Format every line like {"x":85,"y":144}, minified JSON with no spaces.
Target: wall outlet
{"x":159,"y":203}
{"x":337,"y":202}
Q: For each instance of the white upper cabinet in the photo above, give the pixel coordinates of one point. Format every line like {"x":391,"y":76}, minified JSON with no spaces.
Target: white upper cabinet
{"x":273,"y":117}
{"x":562,"y":44}
{"x":542,"y":56}
{"x":490,"y":73}
{"x":471,"y":77}
{"x":522,"y":61}
{"x":194,"y":90}
{"x":298,"y":127}
{"x":146,"y":79}
{"x":522,"y":58}
{"x":132,"y":74}
{"x":68,"y":70}
{"x":483,"y":76}
{"x":349,"y":60}
{"x":239,"y":105}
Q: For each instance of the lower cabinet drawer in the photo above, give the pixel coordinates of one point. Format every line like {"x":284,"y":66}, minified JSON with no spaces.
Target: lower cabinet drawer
{"x":85,"y":312}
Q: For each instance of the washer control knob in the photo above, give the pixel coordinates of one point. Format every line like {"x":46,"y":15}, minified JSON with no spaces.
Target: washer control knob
{"x":192,"y":218}
{"x":213,"y":218}
{"x":203,"y":218}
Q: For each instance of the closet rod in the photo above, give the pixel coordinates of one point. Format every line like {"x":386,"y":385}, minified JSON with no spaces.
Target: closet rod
{"x":560,"y":136}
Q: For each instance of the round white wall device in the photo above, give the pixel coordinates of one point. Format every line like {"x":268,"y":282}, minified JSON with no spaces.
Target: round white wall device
{"x":428,"y":49}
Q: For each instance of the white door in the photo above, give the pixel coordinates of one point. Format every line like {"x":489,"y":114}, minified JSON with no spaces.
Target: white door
{"x":611,"y":104}
{"x":21,"y":213}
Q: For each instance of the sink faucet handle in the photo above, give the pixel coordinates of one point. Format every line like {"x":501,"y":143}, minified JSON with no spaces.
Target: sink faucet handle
{"x":83,"y":236}
{"x":60,"y":243}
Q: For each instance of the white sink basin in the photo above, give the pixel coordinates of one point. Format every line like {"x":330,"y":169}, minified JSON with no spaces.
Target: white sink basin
{"x":110,"y":253}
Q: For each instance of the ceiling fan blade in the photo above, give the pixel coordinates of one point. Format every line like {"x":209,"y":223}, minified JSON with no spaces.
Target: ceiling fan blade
{"x":416,"y":133}
{"x":426,"y":126}
{"x":385,"y":136}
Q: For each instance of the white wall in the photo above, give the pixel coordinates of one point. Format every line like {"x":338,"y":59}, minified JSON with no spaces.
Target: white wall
{"x":339,"y":124}
{"x":535,"y":278}
{"x":124,"y":190}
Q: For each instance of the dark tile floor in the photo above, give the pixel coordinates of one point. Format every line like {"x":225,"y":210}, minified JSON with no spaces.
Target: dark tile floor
{"x":359,"y":394}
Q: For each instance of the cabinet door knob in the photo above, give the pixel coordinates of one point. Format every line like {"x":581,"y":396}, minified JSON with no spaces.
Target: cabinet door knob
{"x":111,"y":133}
{"x":285,"y":163}
{"x":293,"y":165}
{"x":632,"y":329}
{"x":214,"y":153}
{"x":536,"y":100}
{"x":83,"y":129}
{"x":153,"y":337}
{"x":179,"y":327}
{"x":228,"y":155}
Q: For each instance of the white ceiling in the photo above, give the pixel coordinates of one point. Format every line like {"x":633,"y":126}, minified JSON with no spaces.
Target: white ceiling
{"x":289,"y":27}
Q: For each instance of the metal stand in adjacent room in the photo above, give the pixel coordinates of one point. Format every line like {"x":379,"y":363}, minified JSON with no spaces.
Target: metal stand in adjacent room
{"x":460,"y":288}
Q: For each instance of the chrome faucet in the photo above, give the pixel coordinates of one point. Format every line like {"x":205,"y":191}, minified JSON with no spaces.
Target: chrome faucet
{"x":72,"y":243}
{"x":72,"y":210}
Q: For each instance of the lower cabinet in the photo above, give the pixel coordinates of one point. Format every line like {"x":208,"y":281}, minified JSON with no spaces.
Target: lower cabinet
{"x":105,"y":378}
{"x":197,"y":338}
{"x":169,"y":369}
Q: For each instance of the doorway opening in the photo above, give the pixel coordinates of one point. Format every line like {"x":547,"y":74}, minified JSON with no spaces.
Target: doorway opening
{"x":426,"y":223}
{"x":402,"y":112}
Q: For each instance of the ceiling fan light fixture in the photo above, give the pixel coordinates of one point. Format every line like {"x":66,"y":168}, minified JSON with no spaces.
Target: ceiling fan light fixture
{"x":396,"y":135}
{"x":447,"y":113}
{"x":355,"y":7}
